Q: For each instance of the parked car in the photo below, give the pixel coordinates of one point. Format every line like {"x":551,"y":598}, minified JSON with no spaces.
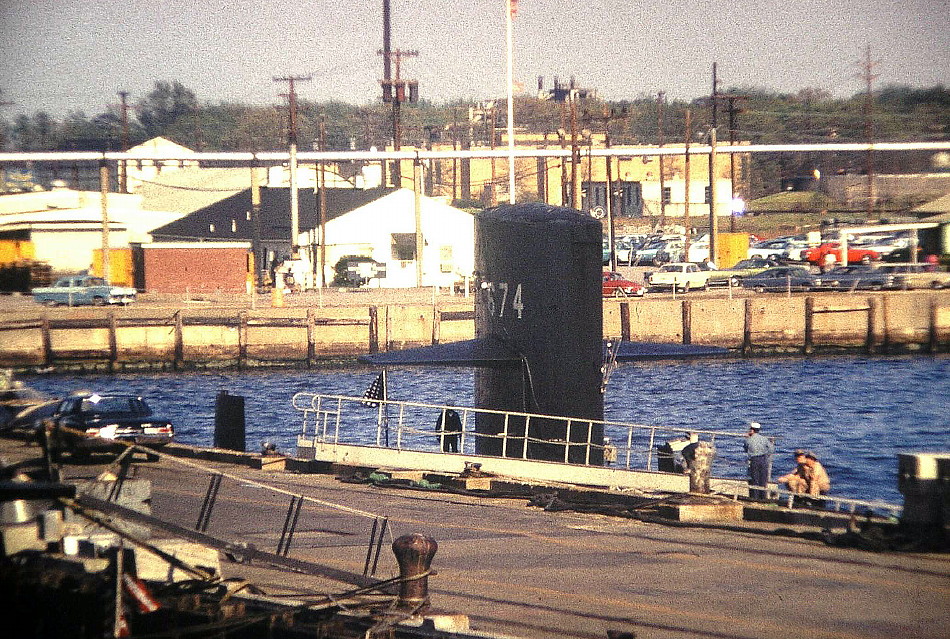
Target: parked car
{"x":855,"y":277}
{"x":617,"y":286}
{"x":734,"y":275}
{"x":92,"y":422}
{"x":774,"y":249}
{"x":819,"y":254}
{"x":680,"y":276}
{"x":907,"y":276}
{"x":795,"y":249}
{"x":780,"y":278}
{"x":658,"y":252}
{"x":77,"y":290}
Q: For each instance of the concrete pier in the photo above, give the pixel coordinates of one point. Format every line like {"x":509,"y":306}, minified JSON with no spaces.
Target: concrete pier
{"x":522,"y":571}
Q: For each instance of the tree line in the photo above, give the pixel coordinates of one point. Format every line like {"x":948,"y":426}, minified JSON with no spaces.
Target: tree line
{"x":171,"y":110}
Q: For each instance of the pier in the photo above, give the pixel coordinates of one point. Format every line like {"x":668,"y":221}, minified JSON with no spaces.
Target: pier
{"x":514,"y":567}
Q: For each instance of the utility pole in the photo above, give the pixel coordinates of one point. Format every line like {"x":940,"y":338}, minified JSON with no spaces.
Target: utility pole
{"x":689,"y":127}
{"x":733,"y":111}
{"x":606,"y":118}
{"x":575,"y":154}
{"x":713,"y":218}
{"x":322,"y":204}
{"x":660,"y":99}
{"x":715,"y":97}
{"x":867,"y":69}
{"x":396,"y":91}
{"x":124,"y":116}
{"x":292,"y":143}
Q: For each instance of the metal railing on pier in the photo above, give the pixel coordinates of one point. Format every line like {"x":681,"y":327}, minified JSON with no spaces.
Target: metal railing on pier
{"x":340,"y":419}
{"x":405,"y":425}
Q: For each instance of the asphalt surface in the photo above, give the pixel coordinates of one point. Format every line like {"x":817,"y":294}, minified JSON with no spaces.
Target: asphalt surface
{"x":518,"y":570}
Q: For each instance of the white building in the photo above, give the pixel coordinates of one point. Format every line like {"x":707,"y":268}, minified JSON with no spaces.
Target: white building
{"x":385,"y":230}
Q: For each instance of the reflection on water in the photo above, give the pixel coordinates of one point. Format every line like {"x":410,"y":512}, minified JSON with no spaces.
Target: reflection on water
{"x":856,"y":413}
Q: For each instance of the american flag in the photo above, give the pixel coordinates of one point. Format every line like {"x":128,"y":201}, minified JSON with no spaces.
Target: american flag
{"x":376,"y":391}
{"x":513,"y":7}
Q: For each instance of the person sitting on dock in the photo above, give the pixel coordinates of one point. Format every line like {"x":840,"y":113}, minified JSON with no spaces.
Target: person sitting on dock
{"x":450,"y":429}
{"x":809,"y":477}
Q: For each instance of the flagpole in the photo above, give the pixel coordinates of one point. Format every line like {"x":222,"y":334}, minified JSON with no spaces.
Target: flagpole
{"x":385,"y":412}
{"x":511,"y":104}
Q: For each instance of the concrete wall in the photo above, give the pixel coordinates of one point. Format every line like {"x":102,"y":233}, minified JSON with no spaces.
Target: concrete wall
{"x":140,"y":335}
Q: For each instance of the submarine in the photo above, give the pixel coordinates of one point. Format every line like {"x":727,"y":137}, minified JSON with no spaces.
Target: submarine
{"x":539,"y":345}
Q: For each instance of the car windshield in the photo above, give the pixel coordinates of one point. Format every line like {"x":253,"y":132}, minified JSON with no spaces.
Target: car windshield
{"x":114,"y":405}
{"x":671,"y":268}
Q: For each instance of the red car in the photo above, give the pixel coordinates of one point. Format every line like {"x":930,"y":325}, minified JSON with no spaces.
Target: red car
{"x":818,"y":255}
{"x":617,"y":286}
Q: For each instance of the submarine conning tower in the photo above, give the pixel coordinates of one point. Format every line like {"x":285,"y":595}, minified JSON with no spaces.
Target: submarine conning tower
{"x":539,"y":271}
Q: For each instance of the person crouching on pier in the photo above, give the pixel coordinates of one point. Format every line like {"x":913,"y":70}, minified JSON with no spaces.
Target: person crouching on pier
{"x":809,"y":477}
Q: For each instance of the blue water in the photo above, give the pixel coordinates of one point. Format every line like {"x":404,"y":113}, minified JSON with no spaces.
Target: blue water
{"x":856,"y":413}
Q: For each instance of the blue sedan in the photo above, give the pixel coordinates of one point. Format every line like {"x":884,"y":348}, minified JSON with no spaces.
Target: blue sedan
{"x":780,"y":278}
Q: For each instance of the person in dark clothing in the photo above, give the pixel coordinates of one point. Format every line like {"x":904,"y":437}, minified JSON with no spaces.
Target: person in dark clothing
{"x":450,"y":427}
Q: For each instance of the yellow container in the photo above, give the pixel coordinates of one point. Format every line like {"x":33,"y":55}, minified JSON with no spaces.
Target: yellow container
{"x":120,"y":266}
{"x":12,"y":251}
{"x":730,"y":248}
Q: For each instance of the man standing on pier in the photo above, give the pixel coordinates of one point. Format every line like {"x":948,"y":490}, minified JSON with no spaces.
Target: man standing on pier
{"x":759,"y":448}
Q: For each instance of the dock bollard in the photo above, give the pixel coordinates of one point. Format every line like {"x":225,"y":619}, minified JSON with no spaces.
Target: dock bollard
{"x":414,"y":553}
{"x":701,"y":467}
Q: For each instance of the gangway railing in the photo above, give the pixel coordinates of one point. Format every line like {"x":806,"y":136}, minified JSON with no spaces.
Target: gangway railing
{"x":407,"y":425}
{"x":334,"y":419}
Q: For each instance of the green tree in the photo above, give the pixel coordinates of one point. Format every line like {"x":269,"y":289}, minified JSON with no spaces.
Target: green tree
{"x":164,"y":105}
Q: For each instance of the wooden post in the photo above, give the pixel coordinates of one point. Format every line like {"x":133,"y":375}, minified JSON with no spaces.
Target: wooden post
{"x":885,"y":326}
{"x":436,"y":323}
{"x":747,"y":328}
{"x":179,"y":342}
{"x":242,"y":340}
{"x":809,"y":325}
{"x":625,"y":321}
{"x":687,"y":322}
{"x":872,"y":325}
{"x":47,"y":341}
{"x":934,"y":328}
{"x":373,"y":329}
{"x":311,"y":344}
{"x":113,"y":344}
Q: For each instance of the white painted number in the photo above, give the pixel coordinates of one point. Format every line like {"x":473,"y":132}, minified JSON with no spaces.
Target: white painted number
{"x":516,"y":303}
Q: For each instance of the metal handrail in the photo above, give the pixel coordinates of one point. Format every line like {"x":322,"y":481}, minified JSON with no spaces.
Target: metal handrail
{"x":313,"y":403}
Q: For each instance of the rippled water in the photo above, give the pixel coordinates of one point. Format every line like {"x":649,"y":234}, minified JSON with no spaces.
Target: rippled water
{"x":856,"y":413}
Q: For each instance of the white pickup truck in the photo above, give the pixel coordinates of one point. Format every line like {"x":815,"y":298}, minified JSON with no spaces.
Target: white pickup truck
{"x":680,"y":276}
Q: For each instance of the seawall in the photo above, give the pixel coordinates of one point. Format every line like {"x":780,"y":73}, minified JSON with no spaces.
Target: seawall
{"x":180,"y":338}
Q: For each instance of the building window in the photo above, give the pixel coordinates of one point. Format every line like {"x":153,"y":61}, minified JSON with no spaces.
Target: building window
{"x":667,"y":195}
{"x":707,"y":195}
{"x":404,"y":246}
{"x":446,"y":263}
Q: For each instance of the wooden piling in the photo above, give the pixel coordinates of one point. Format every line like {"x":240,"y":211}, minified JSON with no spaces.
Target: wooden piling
{"x":747,"y":327}
{"x":179,"y":342}
{"x":625,"y":321}
{"x":113,"y":343}
{"x":687,"y":322}
{"x":311,"y":338}
{"x":809,"y":325}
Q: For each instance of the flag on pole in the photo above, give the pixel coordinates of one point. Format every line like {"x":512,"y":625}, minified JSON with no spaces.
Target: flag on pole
{"x":513,"y":8}
{"x":376,"y":391}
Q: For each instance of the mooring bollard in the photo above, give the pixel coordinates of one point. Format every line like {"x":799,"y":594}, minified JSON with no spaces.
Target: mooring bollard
{"x":414,"y":553}
{"x":701,"y":467}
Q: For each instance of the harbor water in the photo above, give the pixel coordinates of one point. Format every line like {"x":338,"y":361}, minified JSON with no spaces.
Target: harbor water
{"x":856,"y":413}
